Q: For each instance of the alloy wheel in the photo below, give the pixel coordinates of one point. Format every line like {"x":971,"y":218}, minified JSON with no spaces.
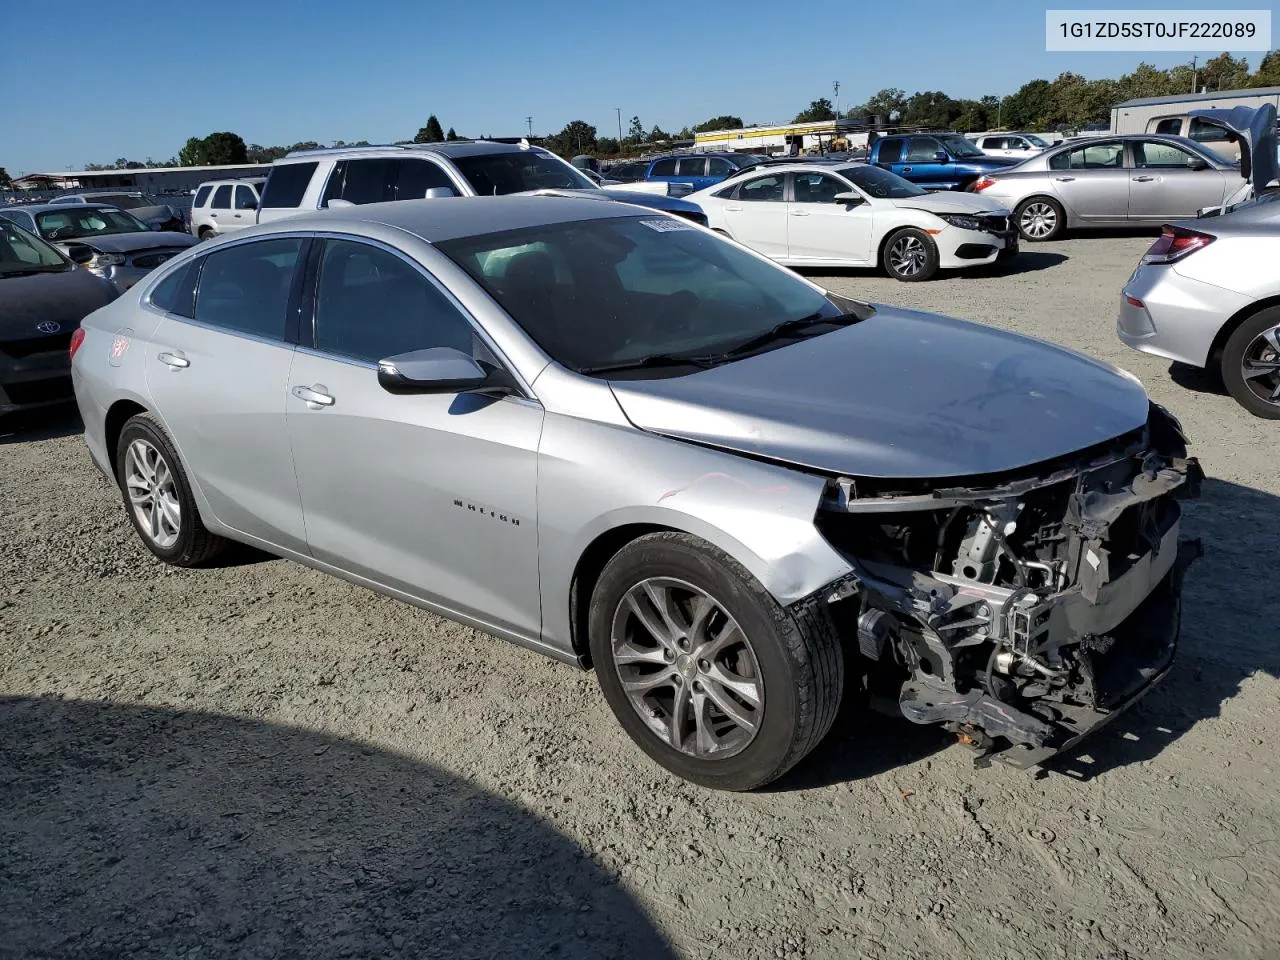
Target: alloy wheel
{"x":687,"y":668}
{"x":1260,"y":365}
{"x":153,"y":494}
{"x":907,"y":256}
{"x":1038,"y":220}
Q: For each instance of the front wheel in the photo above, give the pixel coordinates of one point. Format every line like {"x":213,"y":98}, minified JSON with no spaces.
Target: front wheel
{"x":911,"y":255}
{"x":1251,"y":364}
{"x":704,"y":670}
{"x":1040,"y":219}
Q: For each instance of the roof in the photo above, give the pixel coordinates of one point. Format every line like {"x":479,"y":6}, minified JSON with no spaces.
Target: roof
{"x":1199,"y":97}
{"x":80,"y":174}
{"x":454,"y":148}
{"x":453,"y":217}
{"x":62,"y":207}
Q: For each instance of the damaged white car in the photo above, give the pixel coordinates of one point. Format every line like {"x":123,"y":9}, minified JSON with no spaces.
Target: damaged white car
{"x":611,"y":436}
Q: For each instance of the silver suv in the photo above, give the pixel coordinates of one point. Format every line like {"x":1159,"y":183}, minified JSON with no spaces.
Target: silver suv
{"x":310,"y":180}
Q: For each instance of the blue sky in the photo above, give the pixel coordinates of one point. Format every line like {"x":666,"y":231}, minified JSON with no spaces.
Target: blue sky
{"x":278,"y":73}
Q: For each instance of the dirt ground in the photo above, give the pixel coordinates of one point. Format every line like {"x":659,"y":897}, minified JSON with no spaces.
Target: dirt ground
{"x":260,"y":761}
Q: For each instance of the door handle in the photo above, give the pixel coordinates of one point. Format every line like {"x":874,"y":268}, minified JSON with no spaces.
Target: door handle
{"x":733,"y":209}
{"x":1143,"y":179}
{"x":906,"y":169}
{"x":799,"y":213}
{"x":175,"y":361}
{"x":1064,"y":179}
{"x":214,"y":216}
{"x":237,"y":216}
{"x":314,"y":396}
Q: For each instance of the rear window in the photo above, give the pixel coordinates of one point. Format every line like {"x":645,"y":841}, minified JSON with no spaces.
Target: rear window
{"x":890,"y":151}
{"x":176,"y":293}
{"x":222,"y":197}
{"x":201,"y":196}
{"x":287,"y":183}
{"x":664,"y":168}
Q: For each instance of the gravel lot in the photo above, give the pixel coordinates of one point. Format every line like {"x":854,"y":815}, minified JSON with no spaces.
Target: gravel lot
{"x":261,"y":761}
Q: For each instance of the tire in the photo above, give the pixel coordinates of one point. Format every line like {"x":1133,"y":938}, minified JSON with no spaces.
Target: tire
{"x":788,"y":660}
{"x":1255,"y":345}
{"x":910,"y":255}
{"x":207,"y":233}
{"x":1044,"y":216}
{"x":154,"y":488}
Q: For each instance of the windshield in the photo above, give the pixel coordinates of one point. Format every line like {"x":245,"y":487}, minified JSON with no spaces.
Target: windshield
{"x":516,"y":172}
{"x":122,"y":200}
{"x":1036,"y":141}
{"x":74,"y":223}
{"x":959,"y":146}
{"x":22,"y":252}
{"x":743,"y":161}
{"x":1215,"y":156}
{"x":879,"y":183}
{"x":595,"y":293}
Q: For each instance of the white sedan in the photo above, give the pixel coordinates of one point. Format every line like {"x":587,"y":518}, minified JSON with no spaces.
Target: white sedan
{"x":856,"y":215}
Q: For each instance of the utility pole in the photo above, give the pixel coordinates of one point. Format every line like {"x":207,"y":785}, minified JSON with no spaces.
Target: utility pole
{"x":1193,"y":73}
{"x":835,"y":85}
{"x":529,"y":121}
{"x":618,"y":111}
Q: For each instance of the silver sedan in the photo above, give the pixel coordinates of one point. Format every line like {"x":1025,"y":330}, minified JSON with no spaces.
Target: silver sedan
{"x":1111,"y":182}
{"x":609,"y":435}
{"x":1206,"y":295}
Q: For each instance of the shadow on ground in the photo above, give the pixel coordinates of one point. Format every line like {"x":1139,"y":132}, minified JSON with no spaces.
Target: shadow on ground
{"x":50,"y":424}
{"x":148,"y":832}
{"x":1027,"y":261}
{"x":1197,"y":379}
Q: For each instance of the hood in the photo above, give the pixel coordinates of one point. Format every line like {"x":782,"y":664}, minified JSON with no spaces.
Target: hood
{"x":652,"y":200}
{"x":992,"y":162}
{"x":61,"y":298}
{"x":132,"y":242}
{"x":148,"y":214}
{"x":1256,"y":128}
{"x":901,"y":395}
{"x":949,"y":201}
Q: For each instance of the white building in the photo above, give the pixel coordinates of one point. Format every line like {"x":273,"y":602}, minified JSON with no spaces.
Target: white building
{"x":779,"y":138}
{"x":143,"y":179}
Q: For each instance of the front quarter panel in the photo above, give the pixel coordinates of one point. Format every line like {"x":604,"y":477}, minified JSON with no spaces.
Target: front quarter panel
{"x":595,"y":477}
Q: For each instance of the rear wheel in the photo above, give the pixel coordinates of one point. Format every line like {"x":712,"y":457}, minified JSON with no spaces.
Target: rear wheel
{"x":911,"y":255}
{"x":207,"y":233}
{"x":157,"y":496}
{"x":704,"y":670}
{"x":1251,"y":364}
{"x":1039,"y":219}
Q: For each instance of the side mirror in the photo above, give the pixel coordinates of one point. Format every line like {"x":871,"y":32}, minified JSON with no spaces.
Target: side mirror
{"x":439,"y":193}
{"x":941,"y":156}
{"x":440,"y":370}
{"x":850,"y":198}
{"x":1197,"y":163}
{"x":79,"y":253}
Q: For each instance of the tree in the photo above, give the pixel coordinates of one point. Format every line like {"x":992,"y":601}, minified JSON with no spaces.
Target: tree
{"x":820,"y":109}
{"x":724,"y":122}
{"x":431,"y":133}
{"x":607,"y":145}
{"x":1268,"y":72}
{"x":657,"y":135}
{"x":1224,"y":72}
{"x":451,"y":135}
{"x":884,"y":104}
{"x":578,"y":136}
{"x":635,"y":132}
{"x":1031,"y":106}
{"x":217,"y":149}
{"x":931,"y":108}
{"x":5,"y":179}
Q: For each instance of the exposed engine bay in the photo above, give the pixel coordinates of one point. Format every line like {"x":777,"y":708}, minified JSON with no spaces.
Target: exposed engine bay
{"x":1020,"y":611}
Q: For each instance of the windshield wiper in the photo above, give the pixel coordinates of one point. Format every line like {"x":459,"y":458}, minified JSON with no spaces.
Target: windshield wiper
{"x":653,"y":360}
{"x":786,"y":330}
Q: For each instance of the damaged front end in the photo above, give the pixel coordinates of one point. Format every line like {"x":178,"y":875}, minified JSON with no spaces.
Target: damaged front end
{"x":1023,"y":610}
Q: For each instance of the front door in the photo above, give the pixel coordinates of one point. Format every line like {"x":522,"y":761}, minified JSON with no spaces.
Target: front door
{"x":920,"y":164}
{"x":219,"y":372}
{"x":1165,"y":187}
{"x":756,"y":214}
{"x":1092,"y":181}
{"x":220,"y":209}
{"x":434,"y":495}
{"x":819,"y":228}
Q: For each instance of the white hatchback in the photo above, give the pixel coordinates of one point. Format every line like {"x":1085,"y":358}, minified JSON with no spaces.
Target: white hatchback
{"x":855,"y":215}
{"x":221,"y":206}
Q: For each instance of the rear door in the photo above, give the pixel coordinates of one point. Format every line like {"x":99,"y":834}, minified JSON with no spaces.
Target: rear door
{"x":693,"y":170}
{"x":1164,"y":186}
{"x":1093,"y":181}
{"x":285,"y":190}
{"x":663,"y":169}
{"x":433,"y":495}
{"x":218,"y":367}
{"x":756,"y":214}
{"x":819,"y":228}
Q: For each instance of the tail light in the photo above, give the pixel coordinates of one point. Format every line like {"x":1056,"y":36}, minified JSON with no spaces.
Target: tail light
{"x":77,"y":338}
{"x":1175,"y":243}
{"x":981,"y":184}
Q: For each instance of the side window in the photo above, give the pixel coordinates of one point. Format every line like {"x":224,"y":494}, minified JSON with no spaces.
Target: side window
{"x":371,"y":305}
{"x":1172,"y":126}
{"x":367,"y":181}
{"x":762,"y":188}
{"x":718,"y":167}
{"x":245,"y":288}
{"x":1096,"y":156}
{"x":922,"y":149}
{"x":21,"y":218}
{"x":202,"y":196}
{"x":222,"y":197}
{"x":890,"y":151}
{"x":1152,"y":153}
{"x":1205,"y":132}
{"x":415,"y":177}
{"x":817,"y":188}
{"x":176,"y":293}
{"x":287,"y":184}
{"x":993,"y":143}
{"x":691,"y":167}
{"x":245,"y":200}
{"x":664,"y":168}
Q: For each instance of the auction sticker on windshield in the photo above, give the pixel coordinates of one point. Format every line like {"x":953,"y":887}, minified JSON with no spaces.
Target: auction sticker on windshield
{"x":666,"y":225}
